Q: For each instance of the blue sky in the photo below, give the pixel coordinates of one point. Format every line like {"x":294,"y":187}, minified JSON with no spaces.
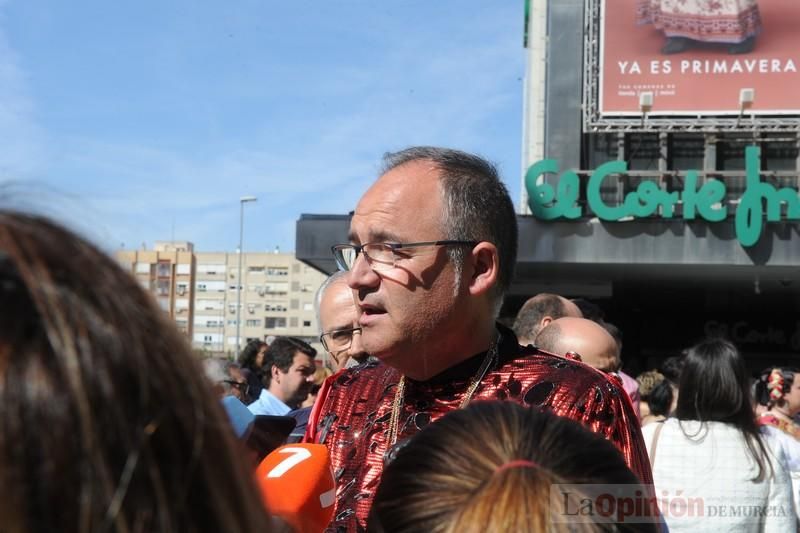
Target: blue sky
{"x":137,"y":121}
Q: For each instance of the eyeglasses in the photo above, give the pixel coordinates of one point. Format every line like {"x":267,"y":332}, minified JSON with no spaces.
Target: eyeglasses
{"x":382,"y":255}
{"x":241,"y":385}
{"x":338,"y":340}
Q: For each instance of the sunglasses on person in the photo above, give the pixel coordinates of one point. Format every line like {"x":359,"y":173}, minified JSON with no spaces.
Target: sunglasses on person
{"x":241,"y":386}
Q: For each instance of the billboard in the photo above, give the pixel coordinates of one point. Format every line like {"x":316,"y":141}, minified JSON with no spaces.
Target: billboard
{"x":696,"y":56}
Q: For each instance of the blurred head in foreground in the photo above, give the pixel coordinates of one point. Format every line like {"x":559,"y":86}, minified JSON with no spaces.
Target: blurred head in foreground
{"x":106,"y":420}
{"x":490,"y":467}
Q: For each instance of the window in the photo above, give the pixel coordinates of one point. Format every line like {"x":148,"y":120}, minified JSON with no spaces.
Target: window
{"x":686,"y":151}
{"x":182,"y":287}
{"x":273,"y":322}
{"x":163,"y":269}
{"x":276,"y":287}
{"x":252,"y":323}
{"x":308,"y":306}
{"x":277,"y":271}
{"x":232,"y":322}
{"x":255,"y":269}
{"x":162,"y":287}
{"x":296,"y":268}
{"x":142,"y":268}
{"x":294,"y":304}
{"x":210,"y":268}
{"x":207,"y":338}
{"x":181,"y":304}
{"x":295,"y":286}
{"x":210,"y":286}
{"x":306,"y":323}
{"x":208,"y":321}
{"x":205,"y":304}
{"x":183,"y":269}
{"x":275,"y":307}
{"x":293,"y":322}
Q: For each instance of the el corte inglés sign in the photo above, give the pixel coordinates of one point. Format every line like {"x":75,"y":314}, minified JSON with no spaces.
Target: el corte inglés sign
{"x":706,"y":200}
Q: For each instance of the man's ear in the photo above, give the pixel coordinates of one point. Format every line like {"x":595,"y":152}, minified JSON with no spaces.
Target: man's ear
{"x":485,"y":262}
{"x":275,"y":372}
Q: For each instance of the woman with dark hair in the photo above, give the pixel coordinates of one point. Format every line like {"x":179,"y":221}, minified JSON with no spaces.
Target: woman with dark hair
{"x":778,"y":390}
{"x":251,"y":361}
{"x":106,"y":421}
{"x":711,"y":460}
{"x":493,"y":466}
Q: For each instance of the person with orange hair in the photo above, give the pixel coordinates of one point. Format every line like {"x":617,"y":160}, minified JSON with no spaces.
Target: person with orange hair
{"x":498,"y":466}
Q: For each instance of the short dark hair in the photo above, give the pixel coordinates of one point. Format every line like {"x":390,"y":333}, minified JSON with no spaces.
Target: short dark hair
{"x":660,"y":398}
{"x":281,"y":353}
{"x":477,"y":206}
{"x":531,"y":314}
{"x":672,"y":367}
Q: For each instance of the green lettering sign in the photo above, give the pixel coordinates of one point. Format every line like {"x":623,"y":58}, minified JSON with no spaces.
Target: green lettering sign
{"x":649,"y":199}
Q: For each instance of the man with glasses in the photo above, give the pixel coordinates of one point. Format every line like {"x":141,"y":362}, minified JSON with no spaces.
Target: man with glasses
{"x":227,"y":378}
{"x":432,"y":251}
{"x":338,"y":321}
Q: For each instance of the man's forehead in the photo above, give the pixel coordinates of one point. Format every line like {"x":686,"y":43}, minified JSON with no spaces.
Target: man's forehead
{"x":302,"y":359}
{"x":338,"y":308}
{"x":397,"y":203}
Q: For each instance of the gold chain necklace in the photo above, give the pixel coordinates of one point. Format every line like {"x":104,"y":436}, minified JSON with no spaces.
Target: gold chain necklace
{"x":399,"y":395}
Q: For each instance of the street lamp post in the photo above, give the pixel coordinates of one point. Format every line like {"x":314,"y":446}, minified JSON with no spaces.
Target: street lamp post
{"x":243,"y":200}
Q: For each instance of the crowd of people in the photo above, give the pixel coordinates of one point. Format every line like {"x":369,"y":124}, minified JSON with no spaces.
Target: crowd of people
{"x":434,"y":417}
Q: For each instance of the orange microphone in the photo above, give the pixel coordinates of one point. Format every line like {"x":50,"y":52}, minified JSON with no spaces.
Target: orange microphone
{"x":297,"y":485}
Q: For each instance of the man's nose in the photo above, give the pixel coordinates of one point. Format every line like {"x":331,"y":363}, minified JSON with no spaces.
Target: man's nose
{"x":355,"y":344}
{"x":361,"y":274}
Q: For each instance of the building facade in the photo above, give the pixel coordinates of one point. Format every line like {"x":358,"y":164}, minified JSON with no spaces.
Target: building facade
{"x":199,"y":291}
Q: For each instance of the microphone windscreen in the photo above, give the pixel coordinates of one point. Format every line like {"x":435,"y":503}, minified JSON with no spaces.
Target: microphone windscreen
{"x":297,"y":485}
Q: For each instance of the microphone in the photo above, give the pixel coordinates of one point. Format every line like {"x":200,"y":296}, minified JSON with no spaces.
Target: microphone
{"x":297,"y":485}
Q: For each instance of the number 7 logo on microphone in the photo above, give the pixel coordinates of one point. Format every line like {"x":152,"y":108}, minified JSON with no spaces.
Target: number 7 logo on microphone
{"x":297,"y":485}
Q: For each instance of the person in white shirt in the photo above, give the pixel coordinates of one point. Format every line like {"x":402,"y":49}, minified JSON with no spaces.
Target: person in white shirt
{"x":713,"y":468}
{"x":290,"y":366}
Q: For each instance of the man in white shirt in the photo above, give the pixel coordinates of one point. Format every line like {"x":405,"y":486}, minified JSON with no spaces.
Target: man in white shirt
{"x":290,"y":374}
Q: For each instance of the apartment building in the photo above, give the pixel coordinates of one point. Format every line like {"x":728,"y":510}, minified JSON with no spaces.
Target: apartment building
{"x":277,"y":294}
{"x":167,"y":271}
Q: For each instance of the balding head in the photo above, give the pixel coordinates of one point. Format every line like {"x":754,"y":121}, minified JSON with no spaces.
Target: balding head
{"x":538,"y":312}
{"x":338,"y":321}
{"x":589,"y":339}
